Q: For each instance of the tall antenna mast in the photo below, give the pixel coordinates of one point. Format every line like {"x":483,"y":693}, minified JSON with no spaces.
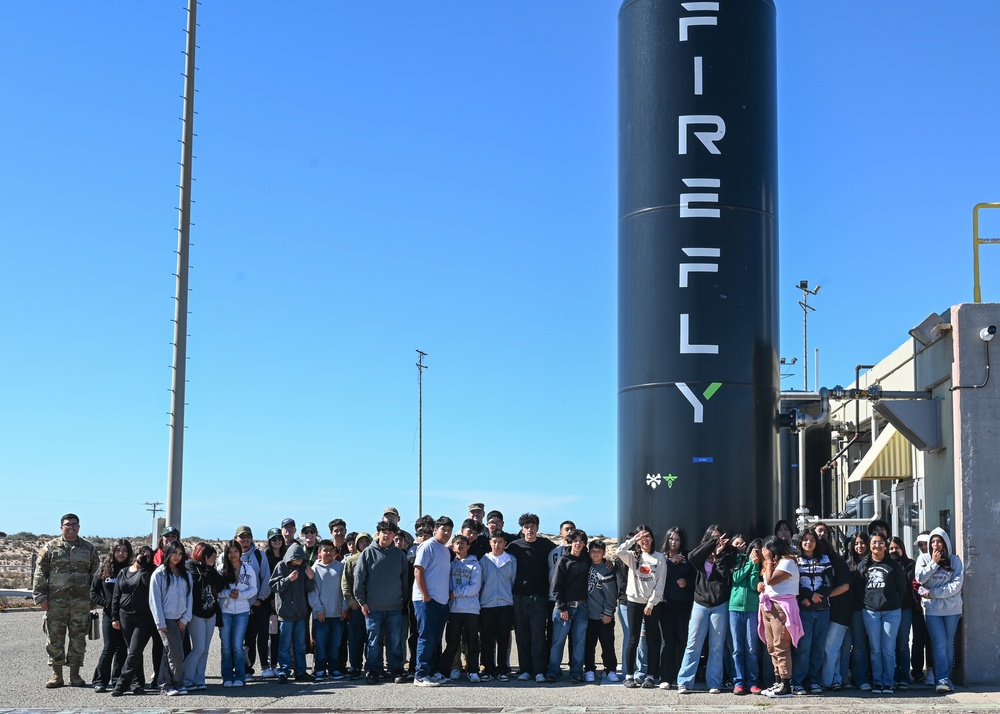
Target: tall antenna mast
{"x":175,"y":458}
{"x":420,"y":438}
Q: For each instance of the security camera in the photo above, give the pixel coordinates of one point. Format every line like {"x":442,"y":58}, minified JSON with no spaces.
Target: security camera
{"x":988,"y":333}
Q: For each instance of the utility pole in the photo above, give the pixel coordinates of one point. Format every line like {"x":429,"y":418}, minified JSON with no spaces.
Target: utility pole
{"x":155,"y":507}
{"x":806,"y":309}
{"x":175,"y":457}
{"x":420,"y":432}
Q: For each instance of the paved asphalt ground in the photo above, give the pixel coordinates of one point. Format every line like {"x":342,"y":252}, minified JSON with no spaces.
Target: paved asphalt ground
{"x":23,"y":672}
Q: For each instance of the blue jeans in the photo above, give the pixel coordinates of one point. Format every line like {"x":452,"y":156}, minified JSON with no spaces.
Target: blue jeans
{"x":641,"y":652}
{"x":743,"y":627}
{"x":902,"y":673}
{"x":623,"y":620}
{"x":328,"y":636}
{"x":292,"y":633}
{"x":941,"y":629}
{"x":577,"y":622}
{"x":234,"y":629}
{"x":710,"y":622}
{"x":431,"y":619}
{"x":390,"y":622}
{"x":201,"y":630}
{"x":834,"y":667}
{"x":807,"y":660}
{"x":859,"y":653}
{"x":881,"y":627}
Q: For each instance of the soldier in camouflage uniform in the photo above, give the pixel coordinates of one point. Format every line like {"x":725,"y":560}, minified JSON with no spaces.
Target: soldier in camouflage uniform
{"x":66,"y":567}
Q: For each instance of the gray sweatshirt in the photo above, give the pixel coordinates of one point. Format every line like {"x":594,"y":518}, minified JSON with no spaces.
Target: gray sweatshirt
{"x":327,"y":598}
{"x":498,"y":580}
{"x":258,"y":561}
{"x":381,"y":578}
{"x":170,"y":603}
{"x":602,"y":591}
{"x":466,"y":582}
{"x":291,"y":600}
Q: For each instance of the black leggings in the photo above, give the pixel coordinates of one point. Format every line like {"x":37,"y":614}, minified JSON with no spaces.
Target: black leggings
{"x":636,"y":615}
{"x":137,"y":633}
{"x":109,"y":666}
{"x":674,"y":619}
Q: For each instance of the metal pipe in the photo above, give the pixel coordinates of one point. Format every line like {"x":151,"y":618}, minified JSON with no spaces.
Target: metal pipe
{"x":802,"y":423}
{"x":816,"y":370}
{"x":175,"y":457}
{"x":857,"y":405}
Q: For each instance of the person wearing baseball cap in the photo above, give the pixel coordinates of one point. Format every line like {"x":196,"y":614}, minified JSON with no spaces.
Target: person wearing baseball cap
{"x":255,"y":638}
{"x":477,"y":511}
{"x":391,"y":514}
{"x":275,"y":552}
{"x":288,"y":531}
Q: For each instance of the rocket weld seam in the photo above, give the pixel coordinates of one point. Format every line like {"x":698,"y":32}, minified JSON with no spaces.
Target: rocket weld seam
{"x":652,"y":385}
{"x":665,"y":207}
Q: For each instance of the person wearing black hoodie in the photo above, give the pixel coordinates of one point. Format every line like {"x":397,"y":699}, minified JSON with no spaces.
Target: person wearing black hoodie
{"x":131,"y":615}
{"x":292,"y":581}
{"x":102,"y":590}
{"x":713,"y":562}
{"x":571,"y":610}
{"x":205,"y":584}
{"x":884,"y":585}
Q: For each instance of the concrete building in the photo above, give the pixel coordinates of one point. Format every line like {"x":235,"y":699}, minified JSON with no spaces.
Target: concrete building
{"x":921,"y":444}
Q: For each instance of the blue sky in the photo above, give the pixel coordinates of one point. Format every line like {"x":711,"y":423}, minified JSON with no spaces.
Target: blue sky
{"x":376,"y":178}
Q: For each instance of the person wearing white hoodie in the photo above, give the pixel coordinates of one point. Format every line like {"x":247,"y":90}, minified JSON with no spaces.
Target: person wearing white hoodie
{"x":172,"y":603}
{"x":939,"y":572}
{"x":237,"y":593}
{"x":647,"y":576}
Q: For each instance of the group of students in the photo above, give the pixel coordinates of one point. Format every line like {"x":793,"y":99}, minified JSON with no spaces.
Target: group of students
{"x":825,"y":618}
{"x":408,"y":608}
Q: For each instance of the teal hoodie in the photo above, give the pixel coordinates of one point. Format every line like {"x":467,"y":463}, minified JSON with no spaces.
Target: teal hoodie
{"x":746,"y":575}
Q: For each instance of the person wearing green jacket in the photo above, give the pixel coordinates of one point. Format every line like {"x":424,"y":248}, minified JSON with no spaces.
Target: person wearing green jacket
{"x":743,"y":605}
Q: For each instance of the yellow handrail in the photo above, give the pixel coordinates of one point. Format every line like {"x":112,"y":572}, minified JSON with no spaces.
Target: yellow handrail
{"x":976,"y":241}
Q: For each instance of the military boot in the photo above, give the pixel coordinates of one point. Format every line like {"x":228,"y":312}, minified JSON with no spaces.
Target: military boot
{"x":56,"y":680}
{"x":75,"y":680}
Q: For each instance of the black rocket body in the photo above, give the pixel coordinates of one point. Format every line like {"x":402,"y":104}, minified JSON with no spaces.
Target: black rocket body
{"x":697,"y":266}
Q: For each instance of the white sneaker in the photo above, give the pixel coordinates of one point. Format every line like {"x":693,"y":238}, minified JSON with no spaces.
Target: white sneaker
{"x":613,"y":677}
{"x":589,"y":677}
{"x":474,"y":678}
{"x":865,"y":687}
{"x":540,"y":678}
{"x":237,"y":682}
{"x":681,"y":689}
{"x":227,"y":683}
{"x":268,"y":673}
{"x":664,"y":685}
{"x":455,"y":674}
{"x":714,"y":690}
{"x":524,"y":677}
{"x":425,"y":682}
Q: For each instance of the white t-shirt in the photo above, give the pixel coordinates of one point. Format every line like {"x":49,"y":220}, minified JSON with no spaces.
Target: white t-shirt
{"x":788,"y":586}
{"x":435,"y":559}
